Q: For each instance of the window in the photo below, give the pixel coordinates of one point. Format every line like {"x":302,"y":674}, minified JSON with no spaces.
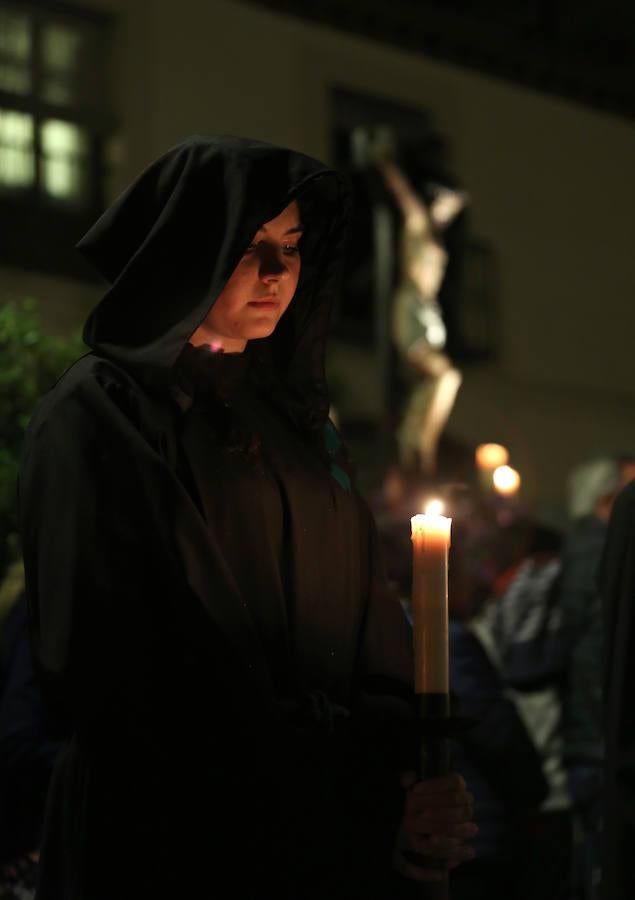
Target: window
{"x":55,"y":122}
{"x":64,"y":160}
{"x":15,"y":52}
{"x":61,"y":53}
{"x":17,"y":157}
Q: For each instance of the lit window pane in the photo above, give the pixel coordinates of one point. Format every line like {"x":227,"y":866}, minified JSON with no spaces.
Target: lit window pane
{"x":15,"y":36}
{"x":17,"y":158}
{"x":64,"y":159}
{"x":58,"y":89}
{"x":15,"y":51}
{"x":61,"y":47}
{"x":14,"y":79}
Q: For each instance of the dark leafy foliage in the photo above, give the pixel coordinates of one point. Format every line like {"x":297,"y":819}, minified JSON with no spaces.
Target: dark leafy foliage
{"x":30,"y":363}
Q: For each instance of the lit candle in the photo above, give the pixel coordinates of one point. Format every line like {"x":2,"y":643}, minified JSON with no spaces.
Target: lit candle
{"x":488,"y":458}
{"x":430,"y":544}
{"x":434,"y":507}
{"x":506,"y":480}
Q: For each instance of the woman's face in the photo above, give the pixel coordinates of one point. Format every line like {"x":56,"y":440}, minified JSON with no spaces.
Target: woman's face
{"x":259,"y":289}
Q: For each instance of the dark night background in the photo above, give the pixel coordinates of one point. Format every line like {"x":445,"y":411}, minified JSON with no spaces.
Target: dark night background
{"x":530,"y":103}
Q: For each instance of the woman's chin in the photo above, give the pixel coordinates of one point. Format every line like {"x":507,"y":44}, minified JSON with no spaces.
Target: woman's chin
{"x":259,"y":330}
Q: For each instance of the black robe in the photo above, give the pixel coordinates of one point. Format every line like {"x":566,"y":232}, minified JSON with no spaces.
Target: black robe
{"x":617,"y":587}
{"x":207,"y":605}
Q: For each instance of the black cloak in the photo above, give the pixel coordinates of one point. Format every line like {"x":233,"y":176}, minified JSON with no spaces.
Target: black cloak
{"x":208,"y":611}
{"x":617,"y":588}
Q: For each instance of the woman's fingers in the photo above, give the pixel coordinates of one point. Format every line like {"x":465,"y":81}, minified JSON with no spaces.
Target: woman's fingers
{"x":433,"y":785}
{"x":449,"y":849}
{"x":416,"y":806}
{"x":425,"y":828}
{"x":419,"y":873}
{"x":420,"y":803}
{"x":437,"y":822}
{"x":440,"y":798}
{"x":441,"y":785}
{"x":434,"y":819}
{"x":465,"y":831}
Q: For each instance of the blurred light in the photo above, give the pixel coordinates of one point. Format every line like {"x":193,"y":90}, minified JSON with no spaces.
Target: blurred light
{"x":15,"y":52}
{"x":61,"y":49}
{"x":491,"y":456}
{"x":15,"y":35}
{"x":434,"y":507}
{"x":64,"y":149}
{"x":61,"y":46}
{"x":17,"y":158}
{"x":506,"y":480}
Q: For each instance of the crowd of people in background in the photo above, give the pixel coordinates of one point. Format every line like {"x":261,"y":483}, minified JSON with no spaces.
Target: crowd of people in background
{"x":525,"y":673}
{"x":526,"y":665}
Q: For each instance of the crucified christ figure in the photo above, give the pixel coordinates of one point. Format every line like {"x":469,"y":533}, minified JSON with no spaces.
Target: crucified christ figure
{"x":418,"y":329}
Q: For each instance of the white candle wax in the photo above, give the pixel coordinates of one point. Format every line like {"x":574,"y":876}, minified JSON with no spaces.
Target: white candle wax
{"x":430,"y":544}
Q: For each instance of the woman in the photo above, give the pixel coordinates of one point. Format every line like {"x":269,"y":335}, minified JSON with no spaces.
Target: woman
{"x":206,"y":600}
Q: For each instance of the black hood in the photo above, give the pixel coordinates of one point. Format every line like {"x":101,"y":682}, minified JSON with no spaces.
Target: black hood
{"x":170,"y":242}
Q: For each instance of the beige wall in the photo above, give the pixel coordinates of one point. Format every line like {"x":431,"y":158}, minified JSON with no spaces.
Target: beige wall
{"x":552,"y":188}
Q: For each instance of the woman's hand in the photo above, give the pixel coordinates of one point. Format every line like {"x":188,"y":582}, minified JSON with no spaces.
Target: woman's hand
{"x":436,"y":824}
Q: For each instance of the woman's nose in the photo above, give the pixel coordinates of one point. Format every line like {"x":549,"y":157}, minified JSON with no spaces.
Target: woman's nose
{"x":273,"y":268}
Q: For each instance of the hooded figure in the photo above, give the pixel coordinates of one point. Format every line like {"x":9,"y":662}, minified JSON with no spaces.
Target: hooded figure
{"x":208,"y":613}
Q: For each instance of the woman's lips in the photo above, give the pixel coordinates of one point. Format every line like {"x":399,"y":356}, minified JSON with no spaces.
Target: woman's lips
{"x":265,"y":303}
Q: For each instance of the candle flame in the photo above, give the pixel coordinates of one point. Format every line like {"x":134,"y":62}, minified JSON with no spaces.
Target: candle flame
{"x":491,"y":456}
{"x":506,"y":480}
{"x":434,"y":507}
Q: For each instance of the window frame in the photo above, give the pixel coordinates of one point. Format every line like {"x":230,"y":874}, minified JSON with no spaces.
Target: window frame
{"x":42,"y":229}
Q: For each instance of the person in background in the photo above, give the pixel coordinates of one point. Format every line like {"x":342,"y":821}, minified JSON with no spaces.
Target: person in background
{"x":521,"y":628}
{"x":617,"y":591}
{"x":593,"y":487}
{"x":500,"y":764}
{"x":28,"y":747}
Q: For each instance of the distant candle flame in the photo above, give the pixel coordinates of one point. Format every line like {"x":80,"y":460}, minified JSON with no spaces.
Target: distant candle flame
{"x":434,"y":507}
{"x":491,"y":456}
{"x":506,"y":480}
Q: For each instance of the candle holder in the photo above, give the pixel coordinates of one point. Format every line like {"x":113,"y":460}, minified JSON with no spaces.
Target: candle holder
{"x":435,"y":724}
{"x":436,"y":728}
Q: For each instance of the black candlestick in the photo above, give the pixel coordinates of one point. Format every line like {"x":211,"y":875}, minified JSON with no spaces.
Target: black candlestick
{"x":436,"y":729}
{"x":434,"y":762}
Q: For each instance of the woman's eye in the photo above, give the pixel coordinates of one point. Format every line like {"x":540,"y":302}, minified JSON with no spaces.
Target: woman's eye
{"x":288,"y":249}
